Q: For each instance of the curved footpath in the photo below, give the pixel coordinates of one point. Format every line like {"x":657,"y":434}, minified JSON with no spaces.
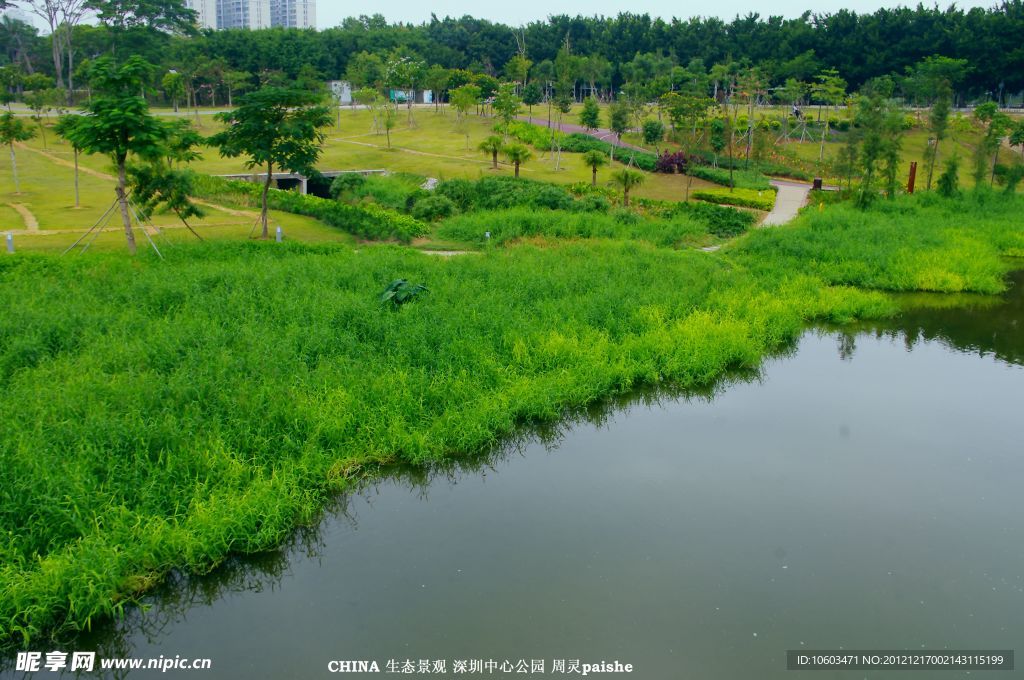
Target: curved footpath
{"x":790,"y":198}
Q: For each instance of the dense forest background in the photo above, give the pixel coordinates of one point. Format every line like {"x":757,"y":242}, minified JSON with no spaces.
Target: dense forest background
{"x":608,"y":51}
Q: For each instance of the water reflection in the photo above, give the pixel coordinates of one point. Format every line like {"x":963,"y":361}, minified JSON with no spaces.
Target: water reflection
{"x":976,"y":324}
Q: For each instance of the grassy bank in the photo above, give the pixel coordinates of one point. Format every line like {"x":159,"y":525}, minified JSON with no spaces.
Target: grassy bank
{"x":921,"y":242}
{"x":163,"y":415}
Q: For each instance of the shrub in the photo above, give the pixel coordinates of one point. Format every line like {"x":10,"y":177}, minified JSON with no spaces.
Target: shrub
{"x":368,"y":221}
{"x":346,"y":184}
{"x":434,"y":208}
{"x":747,"y":198}
{"x":491,"y":193}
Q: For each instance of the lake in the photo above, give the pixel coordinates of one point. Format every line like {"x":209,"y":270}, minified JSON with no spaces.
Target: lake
{"x":861,"y":491}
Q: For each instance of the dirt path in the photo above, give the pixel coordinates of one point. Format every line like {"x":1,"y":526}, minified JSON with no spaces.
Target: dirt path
{"x":31,"y":223}
{"x":601,"y":133}
{"x":102,"y":175}
{"x":66,"y":163}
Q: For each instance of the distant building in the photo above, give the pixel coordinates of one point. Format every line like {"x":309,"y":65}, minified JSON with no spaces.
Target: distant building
{"x":250,"y":14}
{"x":293,"y":13}
{"x":342,"y":91}
{"x":207,"y":11}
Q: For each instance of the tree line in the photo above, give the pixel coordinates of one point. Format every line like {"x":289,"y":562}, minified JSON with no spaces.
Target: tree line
{"x":600,"y":55}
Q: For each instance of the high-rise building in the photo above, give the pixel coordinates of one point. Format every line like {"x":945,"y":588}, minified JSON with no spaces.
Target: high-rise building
{"x":293,"y":13}
{"x":207,"y":11}
{"x":250,"y":14}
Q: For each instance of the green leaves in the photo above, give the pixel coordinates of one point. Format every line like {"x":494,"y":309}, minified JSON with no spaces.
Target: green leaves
{"x":14,"y":129}
{"x":275,"y":125}
{"x":401,"y":291}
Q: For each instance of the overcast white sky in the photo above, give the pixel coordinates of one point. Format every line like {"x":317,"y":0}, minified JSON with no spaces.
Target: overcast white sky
{"x":331,"y":12}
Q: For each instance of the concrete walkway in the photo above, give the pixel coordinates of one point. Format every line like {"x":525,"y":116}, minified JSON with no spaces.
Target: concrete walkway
{"x":791,"y":197}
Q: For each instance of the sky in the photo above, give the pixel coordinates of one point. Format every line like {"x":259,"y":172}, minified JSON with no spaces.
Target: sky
{"x":331,"y":12}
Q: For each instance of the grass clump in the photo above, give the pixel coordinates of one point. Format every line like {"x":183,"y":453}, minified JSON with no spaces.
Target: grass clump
{"x":519,"y":223}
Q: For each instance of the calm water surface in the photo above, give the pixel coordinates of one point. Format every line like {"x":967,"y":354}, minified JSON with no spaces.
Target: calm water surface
{"x":864,"y":492}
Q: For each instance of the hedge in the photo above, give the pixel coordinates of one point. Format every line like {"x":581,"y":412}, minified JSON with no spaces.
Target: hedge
{"x":367,"y":221}
{"x":746,"y":198}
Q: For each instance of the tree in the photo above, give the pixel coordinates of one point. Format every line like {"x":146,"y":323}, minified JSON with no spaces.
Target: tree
{"x":618,"y":120}
{"x":162,"y":182}
{"x":389,"y":118}
{"x":938,"y":122}
{"x":1017,"y":136}
{"x":122,"y":16}
{"x":116,"y":122}
{"x":590,"y":116}
{"x":594,"y":159}
{"x":995,"y":125}
{"x":365,"y":70}
{"x":517,"y":154}
{"x":492,"y":145}
{"x":61,"y":16}
{"x":517,"y":69}
{"x":532,"y":96}
{"x":237,"y":82}
{"x":654,"y":132}
{"x":627,"y":179}
{"x":831,"y":90}
{"x":174,"y":87}
{"x":465,"y":98}
{"x":14,"y":130}
{"x":274,"y":127}
{"x":20,"y":39}
{"x":404,"y":72}
{"x":507,"y":104}
{"x":41,"y":97}
{"x":881,"y":131}
{"x":437,"y":79}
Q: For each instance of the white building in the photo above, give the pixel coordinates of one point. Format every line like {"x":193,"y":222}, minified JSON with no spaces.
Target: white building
{"x":342,"y":91}
{"x":293,"y":13}
{"x":251,"y":14}
{"x":207,"y":11}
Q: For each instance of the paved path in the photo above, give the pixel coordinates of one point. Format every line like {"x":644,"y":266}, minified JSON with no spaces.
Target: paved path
{"x":791,"y":197}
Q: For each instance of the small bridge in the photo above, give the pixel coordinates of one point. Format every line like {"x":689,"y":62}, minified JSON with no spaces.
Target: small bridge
{"x":290,"y":180}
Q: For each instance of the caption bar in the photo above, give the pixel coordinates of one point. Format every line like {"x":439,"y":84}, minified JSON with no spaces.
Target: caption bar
{"x":897,"y":660}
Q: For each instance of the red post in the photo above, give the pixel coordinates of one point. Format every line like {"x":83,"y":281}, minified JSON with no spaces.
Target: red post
{"x":913,"y":176}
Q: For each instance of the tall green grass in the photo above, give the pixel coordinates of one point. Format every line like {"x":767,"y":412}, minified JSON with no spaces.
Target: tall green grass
{"x":509,"y":225}
{"x":919,"y":242}
{"x":163,"y":415}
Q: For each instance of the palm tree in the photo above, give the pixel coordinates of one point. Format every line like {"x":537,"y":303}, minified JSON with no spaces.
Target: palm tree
{"x":627,"y":179}
{"x":594,"y":159}
{"x":491,"y":145}
{"x":517,"y":154}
